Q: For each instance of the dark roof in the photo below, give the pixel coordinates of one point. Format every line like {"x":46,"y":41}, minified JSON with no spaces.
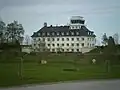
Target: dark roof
{"x":62,"y":29}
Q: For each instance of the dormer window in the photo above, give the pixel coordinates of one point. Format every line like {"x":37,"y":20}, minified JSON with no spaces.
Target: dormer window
{"x":62,"y":33}
{"x":67,"y":33}
{"x":72,"y":33}
{"x":77,"y":33}
{"x":58,"y":33}
{"x":38,"y":34}
{"x":43,"y":34}
{"x":53,"y":33}
{"x":48,"y":34}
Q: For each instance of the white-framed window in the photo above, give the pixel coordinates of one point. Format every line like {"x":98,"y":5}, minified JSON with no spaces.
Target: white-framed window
{"x":77,"y":33}
{"x":58,"y":33}
{"x":67,"y":33}
{"x":43,"y":34}
{"x":48,"y":34}
{"x":62,"y":33}
{"x":53,"y":33}
{"x":72,"y":33}
{"x":38,"y":34}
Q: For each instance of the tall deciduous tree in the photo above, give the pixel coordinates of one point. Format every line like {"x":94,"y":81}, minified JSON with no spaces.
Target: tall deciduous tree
{"x":2,"y":31}
{"x":15,"y":32}
{"x":104,"y":39}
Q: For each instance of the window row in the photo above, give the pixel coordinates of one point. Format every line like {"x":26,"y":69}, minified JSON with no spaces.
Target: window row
{"x":68,"y":50}
{"x":62,"y":33}
{"x":62,"y":39}
{"x":72,"y":44}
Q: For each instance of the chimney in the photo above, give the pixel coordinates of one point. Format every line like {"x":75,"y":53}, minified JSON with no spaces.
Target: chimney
{"x":45,"y":24}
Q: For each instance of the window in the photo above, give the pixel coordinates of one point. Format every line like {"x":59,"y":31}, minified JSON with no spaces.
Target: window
{"x":34,"y":44}
{"x":38,"y":34}
{"x":62,"y":39}
{"x":82,"y":44}
{"x":77,"y":39}
{"x":53,"y":50}
{"x":72,"y":50}
{"x":53,"y":44}
{"x":67,"y":50}
{"x":77,"y":50}
{"x":57,"y":39}
{"x":43,"y":39}
{"x":67,"y":33}
{"x":62,"y":44}
{"x":53,"y":39}
{"x":39,"y":39}
{"x":62,"y":50}
{"x":58,"y":33}
{"x":53,"y":33}
{"x":72,"y":33}
{"x":57,"y":44}
{"x":72,"y":44}
{"x":72,"y":39}
{"x":48,"y":39}
{"x":77,"y":44}
{"x":62,"y":33}
{"x":88,"y":44}
{"x":77,"y":33}
{"x":48,"y":34}
{"x":43,"y":34}
{"x":67,"y":39}
{"x":67,"y":44}
{"x":83,"y":39}
{"x":92,"y":44}
{"x":88,"y":38}
{"x":48,"y":44}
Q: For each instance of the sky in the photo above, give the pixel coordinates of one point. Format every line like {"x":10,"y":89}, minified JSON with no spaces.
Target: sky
{"x":102,"y":16}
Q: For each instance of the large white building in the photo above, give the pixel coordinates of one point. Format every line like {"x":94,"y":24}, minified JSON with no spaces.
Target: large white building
{"x":74,"y":37}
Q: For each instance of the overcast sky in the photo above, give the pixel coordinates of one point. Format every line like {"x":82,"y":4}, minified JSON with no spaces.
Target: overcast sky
{"x":102,"y":16}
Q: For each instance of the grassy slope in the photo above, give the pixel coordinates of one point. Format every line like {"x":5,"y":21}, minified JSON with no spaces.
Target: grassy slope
{"x":53,"y":71}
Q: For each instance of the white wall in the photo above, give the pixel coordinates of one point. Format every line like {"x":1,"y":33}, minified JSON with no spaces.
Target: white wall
{"x":86,"y":48}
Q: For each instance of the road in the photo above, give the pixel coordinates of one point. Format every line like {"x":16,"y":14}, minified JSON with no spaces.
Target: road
{"x":77,"y":85}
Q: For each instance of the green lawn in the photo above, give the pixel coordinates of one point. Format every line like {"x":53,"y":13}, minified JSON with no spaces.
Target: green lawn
{"x":53,"y":72}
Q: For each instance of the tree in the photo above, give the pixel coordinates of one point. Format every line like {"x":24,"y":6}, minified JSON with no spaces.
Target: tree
{"x":27,"y":39}
{"x":116,"y":38}
{"x":104,"y":39}
{"x":15,"y":32}
{"x":2,"y":31}
{"x":109,"y":53}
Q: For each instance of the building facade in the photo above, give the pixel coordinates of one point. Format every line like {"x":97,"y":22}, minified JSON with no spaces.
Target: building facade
{"x":74,"y":37}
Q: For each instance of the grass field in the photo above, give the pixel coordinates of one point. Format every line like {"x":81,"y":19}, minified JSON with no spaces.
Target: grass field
{"x":33,"y":72}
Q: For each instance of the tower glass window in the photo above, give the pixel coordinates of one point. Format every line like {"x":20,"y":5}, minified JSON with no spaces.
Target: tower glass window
{"x":62,"y":44}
